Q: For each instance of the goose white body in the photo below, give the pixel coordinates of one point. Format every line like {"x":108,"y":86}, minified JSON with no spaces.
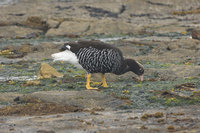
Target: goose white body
{"x":67,"y":56}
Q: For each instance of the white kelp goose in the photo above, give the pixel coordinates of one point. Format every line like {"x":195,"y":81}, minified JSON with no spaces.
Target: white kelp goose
{"x":97,"y":57}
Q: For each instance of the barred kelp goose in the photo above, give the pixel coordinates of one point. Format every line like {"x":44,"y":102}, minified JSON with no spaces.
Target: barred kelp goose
{"x":97,"y":57}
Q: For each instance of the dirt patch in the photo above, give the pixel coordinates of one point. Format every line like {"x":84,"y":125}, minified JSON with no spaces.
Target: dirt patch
{"x":37,"y":107}
{"x":54,"y":102}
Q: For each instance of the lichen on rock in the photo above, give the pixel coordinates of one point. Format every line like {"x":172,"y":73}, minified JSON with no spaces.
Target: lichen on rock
{"x":47,"y":71}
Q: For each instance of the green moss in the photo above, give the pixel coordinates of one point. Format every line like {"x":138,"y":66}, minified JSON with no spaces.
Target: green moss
{"x":154,"y":64}
{"x":172,"y":101}
{"x":140,"y":95}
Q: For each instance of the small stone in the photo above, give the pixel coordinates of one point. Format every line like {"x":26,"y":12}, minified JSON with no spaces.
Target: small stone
{"x":88,"y":123}
{"x":101,"y":122}
{"x":14,"y":31}
{"x":160,"y":120}
{"x":196,"y":34}
{"x":143,"y":127}
{"x":45,"y":131}
{"x":94,"y":113}
{"x":25,"y":48}
{"x":158,"y":114}
{"x":132,"y":118}
{"x":35,"y":22}
{"x":172,"y":47}
{"x":171,"y":128}
{"x":47,"y":71}
{"x":11,"y":129}
{"x":32,"y":82}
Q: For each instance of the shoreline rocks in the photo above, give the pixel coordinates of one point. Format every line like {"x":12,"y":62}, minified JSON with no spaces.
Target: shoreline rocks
{"x":67,"y":18}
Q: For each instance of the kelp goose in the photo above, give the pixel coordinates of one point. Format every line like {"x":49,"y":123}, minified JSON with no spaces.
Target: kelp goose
{"x":97,"y":57}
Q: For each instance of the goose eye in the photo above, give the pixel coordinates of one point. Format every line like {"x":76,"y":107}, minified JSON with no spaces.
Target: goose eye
{"x":141,"y":70}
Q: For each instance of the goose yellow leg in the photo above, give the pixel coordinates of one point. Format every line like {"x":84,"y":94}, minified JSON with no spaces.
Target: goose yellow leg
{"x":88,"y":83}
{"x":95,"y":83}
{"x":104,"y":84}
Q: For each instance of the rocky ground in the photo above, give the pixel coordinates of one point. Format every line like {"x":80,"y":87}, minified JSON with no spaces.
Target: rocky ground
{"x":156,"y":33}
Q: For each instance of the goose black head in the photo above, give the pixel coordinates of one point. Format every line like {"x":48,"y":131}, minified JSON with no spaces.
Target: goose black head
{"x":66,"y":46}
{"x":136,"y":68}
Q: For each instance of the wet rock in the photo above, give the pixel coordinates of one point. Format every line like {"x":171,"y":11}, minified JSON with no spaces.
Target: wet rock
{"x":196,"y":33}
{"x":18,"y":51}
{"x":26,"y":48}
{"x":4,"y":60}
{"x":10,"y":48}
{"x":36,"y":22}
{"x":14,"y":56}
{"x":172,"y":47}
{"x":17,"y":31}
{"x":169,"y":29}
{"x":190,"y":70}
{"x":8,"y":97}
{"x":4,"y":23}
{"x":69,"y":28}
{"x":46,"y":71}
{"x":53,"y":23}
{"x":31,"y":35}
{"x":83,"y":27}
{"x":88,"y":100}
{"x":109,"y":27}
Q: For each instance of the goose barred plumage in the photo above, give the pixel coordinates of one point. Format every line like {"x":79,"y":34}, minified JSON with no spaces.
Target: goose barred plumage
{"x":97,"y":57}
